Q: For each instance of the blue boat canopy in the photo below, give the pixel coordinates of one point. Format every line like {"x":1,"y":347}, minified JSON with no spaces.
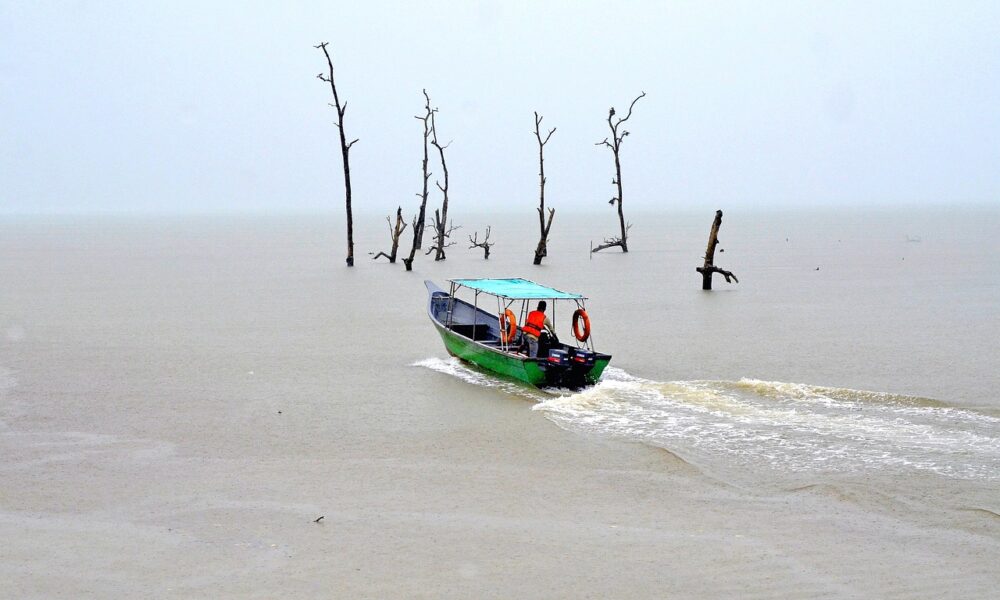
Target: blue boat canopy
{"x":516,"y":289}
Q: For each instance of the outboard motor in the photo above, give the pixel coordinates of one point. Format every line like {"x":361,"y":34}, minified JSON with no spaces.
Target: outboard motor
{"x":558,"y":358}
{"x":583,"y":357}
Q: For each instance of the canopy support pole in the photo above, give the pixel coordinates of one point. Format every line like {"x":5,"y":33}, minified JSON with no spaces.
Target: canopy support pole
{"x":475,"y":314}
{"x":451,"y":306}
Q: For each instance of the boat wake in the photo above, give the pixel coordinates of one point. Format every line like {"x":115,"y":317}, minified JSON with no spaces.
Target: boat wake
{"x":729,"y":427}
{"x":470,"y":374}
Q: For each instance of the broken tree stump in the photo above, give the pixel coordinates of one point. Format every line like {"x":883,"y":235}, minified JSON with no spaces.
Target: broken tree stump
{"x":394,"y":233}
{"x":709,"y":268}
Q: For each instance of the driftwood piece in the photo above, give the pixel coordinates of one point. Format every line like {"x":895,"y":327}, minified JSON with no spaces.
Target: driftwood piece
{"x":394,"y":233}
{"x":485,"y":244}
{"x":345,"y":149}
{"x":615,"y":143}
{"x":542,"y":249}
{"x":709,"y":267}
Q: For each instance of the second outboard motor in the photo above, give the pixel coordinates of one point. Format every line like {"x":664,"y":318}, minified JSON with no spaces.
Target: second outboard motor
{"x":583,"y":357}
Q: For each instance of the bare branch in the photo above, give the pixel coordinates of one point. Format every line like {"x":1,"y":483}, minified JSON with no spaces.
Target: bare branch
{"x":608,"y":243}
{"x":630,"y":107}
{"x":485,"y":244}
{"x":707,"y":271}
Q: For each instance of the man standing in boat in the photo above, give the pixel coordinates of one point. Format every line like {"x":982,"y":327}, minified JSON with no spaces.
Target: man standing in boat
{"x":533,"y":326}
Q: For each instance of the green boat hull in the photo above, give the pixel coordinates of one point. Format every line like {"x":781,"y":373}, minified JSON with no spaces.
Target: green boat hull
{"x":517,"y":367}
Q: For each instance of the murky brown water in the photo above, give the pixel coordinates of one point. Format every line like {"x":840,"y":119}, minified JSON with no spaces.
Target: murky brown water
{"x":180,"y":399}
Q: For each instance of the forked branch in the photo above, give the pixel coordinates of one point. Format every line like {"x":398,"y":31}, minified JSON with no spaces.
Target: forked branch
{"x":485,"y":244}
{"x":443,"y":238}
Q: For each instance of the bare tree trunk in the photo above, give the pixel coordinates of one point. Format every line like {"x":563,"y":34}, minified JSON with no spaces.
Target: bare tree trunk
{"x":542,"y":249}
{"x":709,"y":267}
{"x":419,"y":219}
{"x":408,"y":261}
{"x":418,"y":231}
{"x":615,"y":145}
{"x":394,"y":233}
{"x":443,"y":231}
{"x":345,"y":149}
{"x":621,"y":214}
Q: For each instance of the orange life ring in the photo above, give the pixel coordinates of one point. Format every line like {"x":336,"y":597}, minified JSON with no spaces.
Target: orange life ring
{"x":581,"y":315}
{"x":508,"y":326}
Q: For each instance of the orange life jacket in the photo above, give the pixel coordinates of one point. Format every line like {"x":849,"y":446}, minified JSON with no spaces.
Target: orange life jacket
{"x":534,"y":324}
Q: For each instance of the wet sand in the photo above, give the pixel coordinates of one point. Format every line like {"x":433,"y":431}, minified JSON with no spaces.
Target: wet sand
{"x":178,"y":407}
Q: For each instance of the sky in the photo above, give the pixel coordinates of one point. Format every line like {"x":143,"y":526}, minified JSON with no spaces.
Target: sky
{"x":161,"y":107}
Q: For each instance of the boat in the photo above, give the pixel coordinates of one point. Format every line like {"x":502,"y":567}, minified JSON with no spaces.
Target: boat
{"x":495,"y":343}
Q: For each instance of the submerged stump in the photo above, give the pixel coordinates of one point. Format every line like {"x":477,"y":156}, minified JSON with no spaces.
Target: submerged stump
{"x":709,"y":268}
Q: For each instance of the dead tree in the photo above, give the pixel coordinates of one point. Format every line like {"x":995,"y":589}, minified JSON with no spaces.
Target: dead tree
{"x":442,"y":236}
{"x":419,"y":227}
{"x":709,"y":268}
{"x":345,"y":149}
{"x":485,"y":244}
{"x":418,"y":220}
{"x":542,"y":249}
{"x":394,"y":233}
{"x":615,"y":145}
{"x":442,"y":233}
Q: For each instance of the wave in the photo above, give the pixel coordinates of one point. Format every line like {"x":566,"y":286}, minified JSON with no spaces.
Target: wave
{"x":751,"y":425}
{"x":470,"y":374}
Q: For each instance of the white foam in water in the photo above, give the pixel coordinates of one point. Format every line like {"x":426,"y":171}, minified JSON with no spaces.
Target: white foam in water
{"x":753,"y":424}
{"x":457,"y":368}
{"x":786,"y":426}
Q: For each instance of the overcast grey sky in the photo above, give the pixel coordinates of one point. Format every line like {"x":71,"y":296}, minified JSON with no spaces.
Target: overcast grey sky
{"x":208,"y":106}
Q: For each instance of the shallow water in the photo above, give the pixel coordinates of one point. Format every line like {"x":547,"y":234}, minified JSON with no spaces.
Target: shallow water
{"x":182,"y":397}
